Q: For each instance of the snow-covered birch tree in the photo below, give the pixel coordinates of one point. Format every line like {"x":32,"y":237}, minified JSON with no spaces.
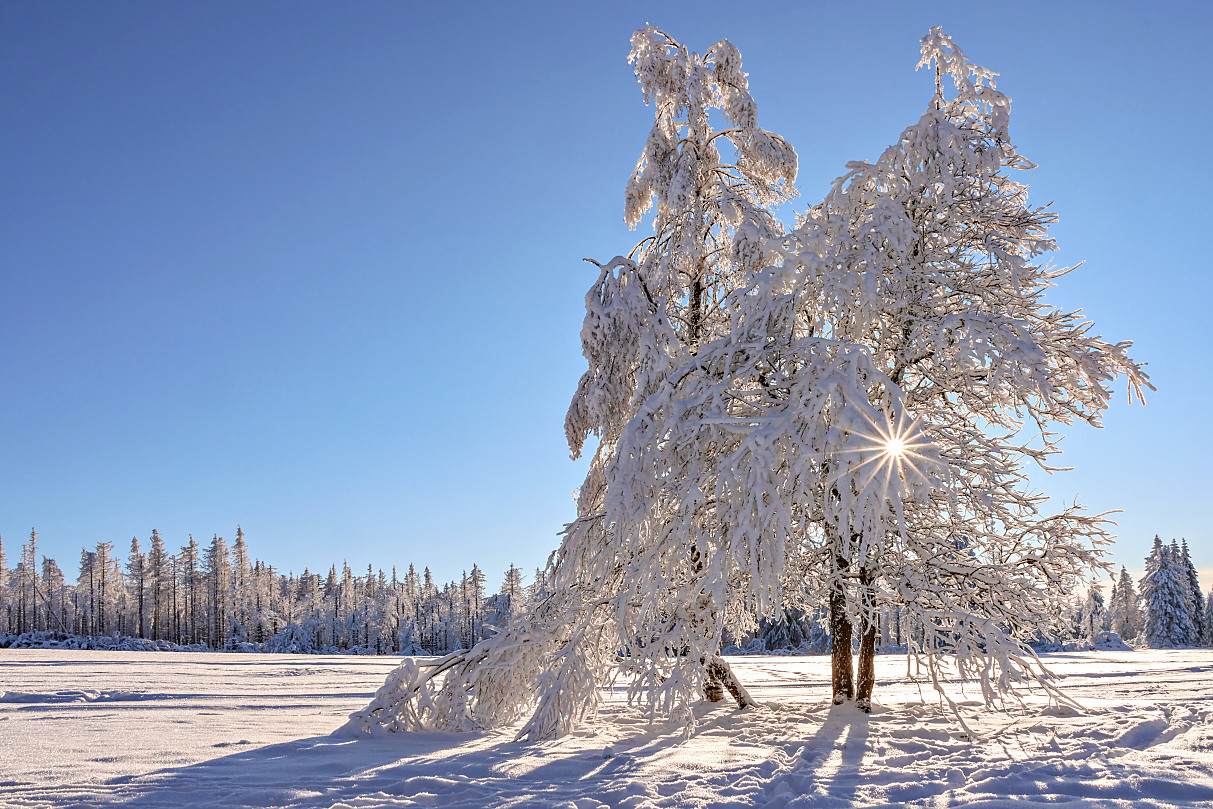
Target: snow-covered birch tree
{"x":711,"y":189}
{"x":930,"y":259}
{"x":838,"y":412}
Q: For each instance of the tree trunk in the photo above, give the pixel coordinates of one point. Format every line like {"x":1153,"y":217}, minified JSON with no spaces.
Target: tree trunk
{"x":720,"y":673}
{"x":867,"y":642}
{"x":867,"y":668}
{"x":713,"y":690}
{"x":840,"y":647}
{"x":718,"y":676}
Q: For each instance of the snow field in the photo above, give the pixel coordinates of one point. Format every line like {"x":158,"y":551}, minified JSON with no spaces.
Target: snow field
{"x":82,"y":728}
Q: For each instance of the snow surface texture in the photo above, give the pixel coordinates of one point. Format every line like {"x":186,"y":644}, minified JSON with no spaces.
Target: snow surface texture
{"x":208,"y":730}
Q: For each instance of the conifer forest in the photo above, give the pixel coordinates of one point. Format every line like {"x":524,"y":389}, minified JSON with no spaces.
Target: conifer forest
{"x":218,"y":596}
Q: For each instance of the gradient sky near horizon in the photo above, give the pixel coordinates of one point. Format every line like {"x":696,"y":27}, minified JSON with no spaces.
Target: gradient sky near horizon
{"x":315,"y":269}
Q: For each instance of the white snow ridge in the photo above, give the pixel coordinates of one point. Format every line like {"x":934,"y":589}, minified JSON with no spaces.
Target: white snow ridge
{"x":131,"y":729}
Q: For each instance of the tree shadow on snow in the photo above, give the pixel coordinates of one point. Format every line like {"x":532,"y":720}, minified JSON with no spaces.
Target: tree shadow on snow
{"x":318,"y":771}
{"x":452,"y":769}
{"x":484,"y":769}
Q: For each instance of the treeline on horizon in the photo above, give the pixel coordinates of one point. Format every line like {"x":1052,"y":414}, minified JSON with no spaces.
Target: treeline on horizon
{"x":217,"y":596}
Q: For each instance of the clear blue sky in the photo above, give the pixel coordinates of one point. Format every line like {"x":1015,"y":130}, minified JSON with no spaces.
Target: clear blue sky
{"x":315,"y":268}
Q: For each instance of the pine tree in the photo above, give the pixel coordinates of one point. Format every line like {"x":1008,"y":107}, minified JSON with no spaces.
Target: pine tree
{"x":538,"y":589}
{"x":342,"y":624}
{"x":476,"y":581}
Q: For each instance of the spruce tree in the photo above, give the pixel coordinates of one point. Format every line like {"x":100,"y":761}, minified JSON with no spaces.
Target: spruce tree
{"x":191,"y":589}
{"x":136,"y":570}
{"x":1094,"y":612}
{"x":158,"y":582}
{"x":29,"y":584}
{"x":55,"y":594}
{"x":1197,"y":596}
{"x":1166,"y":598}
{"x":1207,"y":640}
{"x":6,"y":609}
{"x":1124,"y":614}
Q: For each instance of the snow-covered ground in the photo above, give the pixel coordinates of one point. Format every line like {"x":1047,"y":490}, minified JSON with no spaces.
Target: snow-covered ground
{"x":81,"y":728}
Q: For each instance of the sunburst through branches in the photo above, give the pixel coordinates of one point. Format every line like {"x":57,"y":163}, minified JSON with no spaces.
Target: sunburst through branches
{"x":893,"y":451}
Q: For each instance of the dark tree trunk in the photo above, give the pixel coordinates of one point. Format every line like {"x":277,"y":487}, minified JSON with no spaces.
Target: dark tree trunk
{"x":717,"y":674}
{"x":713,"y":690}
{"x":720,"y":673}
{"x":867,"y":668}
{"x":840,"y":647}
{"x":867,"y":642}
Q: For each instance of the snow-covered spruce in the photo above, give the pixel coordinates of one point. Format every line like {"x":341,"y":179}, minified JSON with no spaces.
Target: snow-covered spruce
{"x":1167,"y":598}
{"x":219,"y":597}
{"x":1124,"y":614}
{"x":832,"y":415}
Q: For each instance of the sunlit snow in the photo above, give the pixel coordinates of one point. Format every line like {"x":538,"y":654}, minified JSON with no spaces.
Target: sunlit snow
{"x":208,"y":730}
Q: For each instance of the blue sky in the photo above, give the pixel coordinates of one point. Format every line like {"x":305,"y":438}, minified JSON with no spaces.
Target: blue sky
{"x":316,"y":268}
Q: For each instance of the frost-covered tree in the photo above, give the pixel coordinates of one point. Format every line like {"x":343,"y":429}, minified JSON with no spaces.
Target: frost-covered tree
{"x":85,"y":596}
{"x":647,"y":314}
{"x":1207,"y":639}
{"x":845,"y":420}
{"x":108,"y":587}
{"x":1166,"y":600}
{"x":189,"y":566}
{"x":930,"y":259}
{"x":158,"y":585}
{"x":509,"y":601}
{"x":136,"y":571}
{"x":1094,"y":612}
{"x":514,"y":591}
{"x":1196,"y":596}
{"x":790,"y":629}
{"x":241,"y":612}
{"x":56,"y":602}
{"x":712,"y":190}
{"x":1124,"y":615}
{"x":6,"y":607}
{"x":538,"y":589}
{"x":27,"y":585}
{"x":216,"y":570}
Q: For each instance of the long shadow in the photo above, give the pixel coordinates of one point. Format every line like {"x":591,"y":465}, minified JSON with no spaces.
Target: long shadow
{"x":318,"y":771}
{"x":453,"y":769}
{"x":482,"y":770}
{"x":829,"y":762}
